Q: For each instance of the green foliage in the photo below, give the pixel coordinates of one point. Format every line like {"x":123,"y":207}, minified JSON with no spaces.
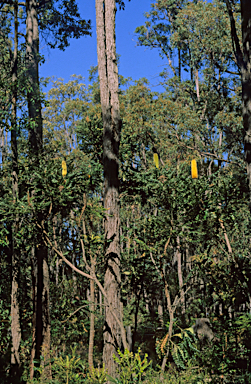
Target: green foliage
{"x":60,"y":20}
{"x":66,"y":368}
{"x":182,"y":346}
{"x":5,"y":338}
{"x":131,"y":367}
{"x":97,"y":375}
{"x":162,"y":210}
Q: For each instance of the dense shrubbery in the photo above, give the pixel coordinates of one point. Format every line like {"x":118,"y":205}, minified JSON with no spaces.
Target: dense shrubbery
{"x":184,"y":243}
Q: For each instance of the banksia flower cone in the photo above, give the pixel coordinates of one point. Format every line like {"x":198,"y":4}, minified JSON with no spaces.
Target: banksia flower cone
{"x":64,"y":168}
{"x":156,"y":160}
{"x":194,"y":169}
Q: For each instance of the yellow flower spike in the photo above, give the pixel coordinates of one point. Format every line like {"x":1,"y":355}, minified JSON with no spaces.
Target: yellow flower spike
{"x":64,"y":168}
{"x":194,"y":169}
{"x":156,"y":160}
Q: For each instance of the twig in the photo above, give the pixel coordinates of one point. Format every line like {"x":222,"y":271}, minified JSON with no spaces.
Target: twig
{"x":73,"y":313}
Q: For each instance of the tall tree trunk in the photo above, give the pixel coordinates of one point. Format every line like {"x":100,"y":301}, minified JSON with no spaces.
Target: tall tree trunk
{"x":92,"y":316}
{"x":243,"y":58}
{"x":42,"y":334}
{"x":108,"y":77}
{"x":33,"y":94}
{"x":15,"y":316}
{"x":246,"y":84}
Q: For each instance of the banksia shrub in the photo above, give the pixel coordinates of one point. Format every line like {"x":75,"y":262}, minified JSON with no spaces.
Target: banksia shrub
{"x":156,"y":160}
{"x":194,"y":169}
{"x":64,"y":168}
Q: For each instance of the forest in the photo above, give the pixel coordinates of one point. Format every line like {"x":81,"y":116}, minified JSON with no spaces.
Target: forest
{"x":125,"y":244}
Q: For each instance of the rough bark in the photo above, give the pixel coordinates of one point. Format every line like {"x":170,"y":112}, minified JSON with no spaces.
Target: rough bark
{"x":15,"y":315}
{"x":33,"y":94}
{"x":243,"y":59}
{"x":41,"y":305}
{"x":246,"y":84}
{"x":108,"y":77}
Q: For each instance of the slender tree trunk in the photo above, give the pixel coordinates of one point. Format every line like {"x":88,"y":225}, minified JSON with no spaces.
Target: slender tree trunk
{"x":197,"y":84}
{"x":56,"y":223}
{"x":246,"y":84}
{"x":92,"y":317}
{"x":179,"y":63}
{"x":129,"y":337}
{"x":15,"y":316}
{"x":34,"y":309}
{"x":45,"y":329}
{"x":160,"y":312}
{"x":42,"y":334}
{"x":180,"y":276}
{"x":108,"y":76}
{"x":2,"y":145}
{"x":73,"y":260}
{"x":100,"y":303}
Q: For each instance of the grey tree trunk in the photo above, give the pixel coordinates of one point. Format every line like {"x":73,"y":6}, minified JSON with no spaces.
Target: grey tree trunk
{"x":246,"y":84}
{"x":33,"y":94}
{"x":41,"y":345}
{"x":243,"y":58}
{"x":108,"y":77}
{"x":15,"y":315}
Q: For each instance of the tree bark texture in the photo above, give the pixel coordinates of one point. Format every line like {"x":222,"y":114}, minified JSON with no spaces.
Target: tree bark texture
{"x":33,"y":94}
{"x":108,"y":77}
{"x":246,"y":84}
{"x":41,"y":279}
{"x":15,"y":310}
{"x":243,"y":58}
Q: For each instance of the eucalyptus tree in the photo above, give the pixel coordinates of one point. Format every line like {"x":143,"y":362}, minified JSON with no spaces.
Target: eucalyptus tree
{"x":108,"y":78}
{"x":242,"y":53}
{"x":200,"y":117}
{"x":11,"y":68}
{"x":15,"y":300}
{"x":201,"y":31}
{"x":59,"y":21}
{"x":62,"y":25}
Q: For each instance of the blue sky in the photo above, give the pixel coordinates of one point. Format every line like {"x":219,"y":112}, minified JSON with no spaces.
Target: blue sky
{"x":135,"y":62}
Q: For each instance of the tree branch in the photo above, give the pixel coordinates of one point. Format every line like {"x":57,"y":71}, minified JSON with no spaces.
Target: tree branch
{"x":209,"y":154}
{"x":47,"y":241}
{"x":73,"y":313}
{"x":235,"y":40}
